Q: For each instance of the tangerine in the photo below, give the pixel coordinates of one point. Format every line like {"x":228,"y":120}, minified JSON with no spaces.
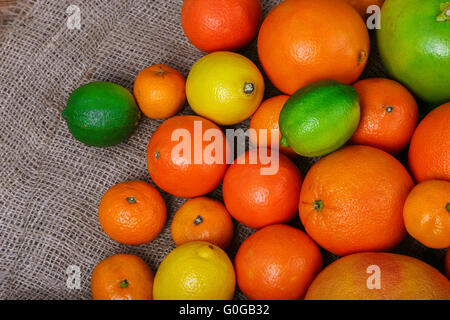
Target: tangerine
{"x":186,"y":166}
{"x":202,"y":219}
{"x":122,"y":277}
{"x":277,"y":262}
{"x":132,"y":212}
{"x":221,"y":25}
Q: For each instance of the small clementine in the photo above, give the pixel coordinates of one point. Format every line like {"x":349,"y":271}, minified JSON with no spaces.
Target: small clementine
{"x":122,"y":277}
{"x":132,"y":212}
{"x":160,"y":91}
{"x":427,"y":213}
{"x":202,"y":219}
{"x":266,"y":118}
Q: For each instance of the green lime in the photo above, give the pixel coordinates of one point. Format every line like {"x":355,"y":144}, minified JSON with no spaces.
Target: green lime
{"x":414,"y":43}
{"x":101,"y":114}
{"x":319,"y":118}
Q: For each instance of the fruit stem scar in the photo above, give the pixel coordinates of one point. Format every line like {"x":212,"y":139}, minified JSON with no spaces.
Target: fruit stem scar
{"x":161,"y":72}
{"x":362,"y":56}
{"x":131,"y":200}
{"x":198,"y":220}
{"x":389,"y":109}
{"x":448,"y":207}
{"x":249,"y":88}
{"x":318,"y":205}
{"x":157,"y":155}
{"x":444,"y":15}
{"x":124,"y":284}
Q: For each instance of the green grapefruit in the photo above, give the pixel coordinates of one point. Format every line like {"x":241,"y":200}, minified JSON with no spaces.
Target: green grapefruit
{"x":414,"y":43}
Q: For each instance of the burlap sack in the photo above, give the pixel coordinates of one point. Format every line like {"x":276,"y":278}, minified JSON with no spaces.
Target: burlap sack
{"x":51,"y":184}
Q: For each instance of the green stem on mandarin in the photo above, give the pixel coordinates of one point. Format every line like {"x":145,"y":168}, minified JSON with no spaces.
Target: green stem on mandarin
{"x":131,"y":200}
{"x":124,"y":284}
{"x":318,"y":205}
{"x":362,"y":56}
{"x":448,"y":207}
{"x":198,"y":220}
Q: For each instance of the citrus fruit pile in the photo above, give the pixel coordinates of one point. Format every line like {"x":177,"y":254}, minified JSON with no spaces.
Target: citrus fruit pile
{"x":358,"y":201}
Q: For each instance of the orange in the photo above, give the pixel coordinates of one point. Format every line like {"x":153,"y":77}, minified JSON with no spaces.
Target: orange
{"x":427,"y":213}
{"x":303,"y":41}
{"x":132,"y":212}
{"x":266,"y":118}
{"x":179,"y":160}
{"x":362,"y":5}
{"x":160,"y":91}
{"x":379,"y":276}
{"x":277,"y":262}
{"x":202,"y":219}
{"x":352,"y":201}
{"x":389,"y":115}
{"x":257,"y":198}
{"x":429,"y":152}
{"x":221,"y":25}
{"x":122,"y":277}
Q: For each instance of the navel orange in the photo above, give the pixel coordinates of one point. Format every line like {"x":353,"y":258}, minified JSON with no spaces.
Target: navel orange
{"x":352,"y":201}
{"x":303,"y":41}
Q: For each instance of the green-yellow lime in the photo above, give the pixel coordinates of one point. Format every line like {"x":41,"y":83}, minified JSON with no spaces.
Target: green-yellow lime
{"x":225,"y":87}
{"x":196,"y":270}
{"x":319,"y":118}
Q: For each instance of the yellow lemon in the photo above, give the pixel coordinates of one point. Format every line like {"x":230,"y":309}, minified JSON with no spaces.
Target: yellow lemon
{"x":225,"y":87}
{"x":196,"y":270}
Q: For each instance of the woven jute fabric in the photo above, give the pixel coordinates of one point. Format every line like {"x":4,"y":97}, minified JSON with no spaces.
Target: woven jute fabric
{"x":51,"y":184}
